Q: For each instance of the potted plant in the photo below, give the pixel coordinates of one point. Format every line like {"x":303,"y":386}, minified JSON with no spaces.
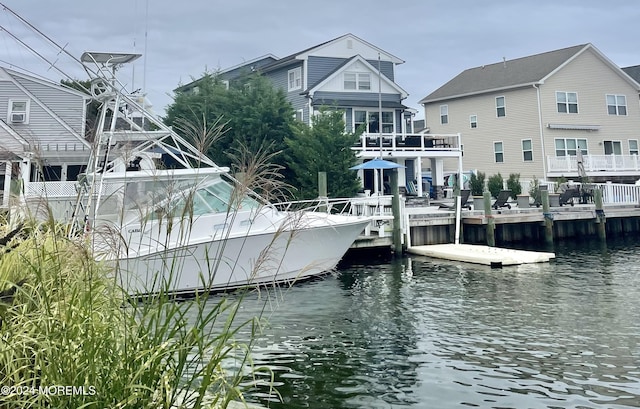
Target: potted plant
{"x":476,"y":183}
{"x":514,"y":185}
{"x":495,"y":184}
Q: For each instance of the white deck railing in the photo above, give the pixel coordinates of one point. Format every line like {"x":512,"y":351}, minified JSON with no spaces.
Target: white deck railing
{"x":594,"y":163}
{"x":407,"y":142}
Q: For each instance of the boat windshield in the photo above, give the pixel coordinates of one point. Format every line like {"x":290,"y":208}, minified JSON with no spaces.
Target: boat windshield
{"x":154,"y":198}
{"x":217,"y":196}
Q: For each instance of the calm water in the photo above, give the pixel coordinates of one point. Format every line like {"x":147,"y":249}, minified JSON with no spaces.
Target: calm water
{"x":422,"y":333}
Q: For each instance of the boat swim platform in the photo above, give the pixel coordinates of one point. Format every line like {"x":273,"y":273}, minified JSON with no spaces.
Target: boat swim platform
{"x":478,"y":254}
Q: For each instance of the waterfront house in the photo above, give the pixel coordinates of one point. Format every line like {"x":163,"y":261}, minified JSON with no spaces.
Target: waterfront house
{"x":42,"y":131}
{"x":535,"y":115}
{"x":352,"y":75}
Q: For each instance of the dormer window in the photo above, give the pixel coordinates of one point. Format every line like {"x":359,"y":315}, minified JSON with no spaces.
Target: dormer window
{"x":357,"y":81}
{"x":295,"y":79}
{"x":18,"y":111}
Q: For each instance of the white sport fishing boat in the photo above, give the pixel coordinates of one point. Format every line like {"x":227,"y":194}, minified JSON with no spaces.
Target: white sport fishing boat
{"x":190,"y":228}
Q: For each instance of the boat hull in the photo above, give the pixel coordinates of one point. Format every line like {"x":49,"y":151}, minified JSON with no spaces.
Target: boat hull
{"x":285,"y":253}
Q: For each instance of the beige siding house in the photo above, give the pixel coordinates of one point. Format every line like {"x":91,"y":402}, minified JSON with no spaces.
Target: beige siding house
{"x":536,"y":115}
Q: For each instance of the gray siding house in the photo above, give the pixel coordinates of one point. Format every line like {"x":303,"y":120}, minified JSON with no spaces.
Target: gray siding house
{"x":346,"y":73}
{"x":42,"y":130}
{"x":539,"y":115}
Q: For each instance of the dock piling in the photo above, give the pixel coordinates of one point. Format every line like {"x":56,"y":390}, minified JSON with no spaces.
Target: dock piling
{"x":548,"y":217}
{"x":491,"y":224}
{"x":600,"y":216}
{"x":395,"y":210}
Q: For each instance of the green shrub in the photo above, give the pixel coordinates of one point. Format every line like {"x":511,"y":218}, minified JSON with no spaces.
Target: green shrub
{"x":513,"y":184}
{"x":534,"y":189}
{"x":476,"y":183}
{"x":495,"y":184}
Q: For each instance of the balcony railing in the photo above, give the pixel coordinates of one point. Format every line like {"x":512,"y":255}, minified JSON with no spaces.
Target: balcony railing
{"x":407,"y":142}
{"x":594,"y":164}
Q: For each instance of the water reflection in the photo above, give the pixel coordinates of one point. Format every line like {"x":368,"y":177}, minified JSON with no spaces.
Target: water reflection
{"x":424,"y":333}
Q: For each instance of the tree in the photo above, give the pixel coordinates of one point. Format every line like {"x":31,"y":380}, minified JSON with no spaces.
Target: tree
{"x":323,"y":147}
{"x":255,"y":114}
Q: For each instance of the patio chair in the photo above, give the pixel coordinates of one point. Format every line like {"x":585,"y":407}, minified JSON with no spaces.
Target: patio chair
{"x":501,"y":200}
{"x":464,"y":198}
{"x":567,"y":196}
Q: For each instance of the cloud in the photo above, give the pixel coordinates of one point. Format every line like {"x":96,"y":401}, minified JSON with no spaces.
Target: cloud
{"x":437,"y":39}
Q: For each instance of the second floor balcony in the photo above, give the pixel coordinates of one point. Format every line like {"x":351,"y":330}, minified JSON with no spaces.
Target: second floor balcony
{"x":594,"y":165}
{"x":396,"y":144}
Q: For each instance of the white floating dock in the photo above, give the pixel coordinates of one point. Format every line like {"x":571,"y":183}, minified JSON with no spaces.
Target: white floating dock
{"x":491,"y":256}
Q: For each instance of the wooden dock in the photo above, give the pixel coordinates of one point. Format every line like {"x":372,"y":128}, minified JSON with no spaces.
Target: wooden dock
{"x":429,"y":225}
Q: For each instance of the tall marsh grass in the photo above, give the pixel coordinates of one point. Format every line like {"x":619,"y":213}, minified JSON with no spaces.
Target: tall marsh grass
{"x":64,"y":322}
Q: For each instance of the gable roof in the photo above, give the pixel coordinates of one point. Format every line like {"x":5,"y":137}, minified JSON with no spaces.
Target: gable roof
{"x":234,"y":71}
{"x":10,"y":141}
{"x":507,"y":74}
{"x":633,"y":72}
{"x":301,"y":55}
{"x":340,"y":68}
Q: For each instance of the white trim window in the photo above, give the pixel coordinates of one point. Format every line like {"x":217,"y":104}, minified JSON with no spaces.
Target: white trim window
{"x":501,"y":109}
{"x":473,"y":121}
{"x":498,"y":152}
{"x":633,"y":146}
{"x":369,"y":120}
{"x":357,"y":81}
{"x":444,"y":114}
{"x":612,"y":147}
{"x":567,"y":102}
{"x":570,"y":146}
{"x":616,"y":104}
{"x":299,"y":115}
{"x":295,"y":79}
{"x":18,"y":112}
{"x":527,"y":150}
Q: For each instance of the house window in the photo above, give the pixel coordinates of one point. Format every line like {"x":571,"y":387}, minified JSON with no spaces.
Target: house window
{"x":473,"y":121}
{"x":498,"y":152}
{"x":500,"y":107}
{"x":18,"y":111}
{"x":295,"y":79}
{"x":299,"y":115}
{"x":569,"y":147}
{"x":370,"y":120}
{"x":633,"y":146}
{"x":527,"y":150}
{"x":360,"y":81}
{"x":612,"y":148}
{"x":444,"y":114}
{"x":567,"y":102}
{"x":617,"y":104}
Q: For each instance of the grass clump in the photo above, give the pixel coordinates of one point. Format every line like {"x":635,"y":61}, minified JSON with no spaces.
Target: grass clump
{"x":65,"y":323}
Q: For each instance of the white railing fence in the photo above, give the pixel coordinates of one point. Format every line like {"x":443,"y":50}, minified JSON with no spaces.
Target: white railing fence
{"x":594,"y":163}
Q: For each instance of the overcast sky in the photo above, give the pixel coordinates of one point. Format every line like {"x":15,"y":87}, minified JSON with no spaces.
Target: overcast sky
{"x":437,"y":39}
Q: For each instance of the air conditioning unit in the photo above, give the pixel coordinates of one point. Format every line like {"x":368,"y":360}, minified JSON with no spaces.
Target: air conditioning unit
{"x":18,"y":117}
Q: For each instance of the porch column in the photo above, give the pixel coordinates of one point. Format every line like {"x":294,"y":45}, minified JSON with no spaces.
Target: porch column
{"x":25,"y":175}
{"x":418,"y":172}
{"x":7,"y":184}
{"x":437,"y":176}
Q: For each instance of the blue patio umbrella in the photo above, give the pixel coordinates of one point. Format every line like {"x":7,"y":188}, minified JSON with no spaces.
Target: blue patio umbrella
{"x":377,"y":163}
